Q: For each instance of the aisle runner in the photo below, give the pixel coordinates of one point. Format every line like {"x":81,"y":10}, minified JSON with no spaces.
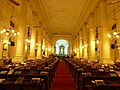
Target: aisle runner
{"x":63,"y":79}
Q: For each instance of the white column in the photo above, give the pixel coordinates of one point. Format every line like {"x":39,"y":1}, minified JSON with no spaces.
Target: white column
{"x":46,"y":48}
{"x":52,"y":48}
{"x":20,"y":57}
{"x":92,"y":40}
{"x":32,"y":45}
{"x":85,"y":42}
{"x":1,"y":45}
{"x":49,"y":48}
{"x":80,"y":46}
{"x":39,"y":50}
{"x":75,"y":46}
{"x":105,"y":44}
{"x":43,"y":47}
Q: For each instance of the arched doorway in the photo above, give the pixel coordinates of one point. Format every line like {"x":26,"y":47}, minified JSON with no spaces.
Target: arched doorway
{"x":62,"y":47}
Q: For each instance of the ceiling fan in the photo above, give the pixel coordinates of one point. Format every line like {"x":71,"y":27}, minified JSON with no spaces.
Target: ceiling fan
{"x":113,"y":2}
{"x":14,"y":2}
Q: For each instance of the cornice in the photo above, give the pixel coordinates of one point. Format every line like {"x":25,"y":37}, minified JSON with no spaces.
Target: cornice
{"x":90,"y":5}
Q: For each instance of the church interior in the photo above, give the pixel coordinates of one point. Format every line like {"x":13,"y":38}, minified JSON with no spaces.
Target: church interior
{"x":60,"y":44}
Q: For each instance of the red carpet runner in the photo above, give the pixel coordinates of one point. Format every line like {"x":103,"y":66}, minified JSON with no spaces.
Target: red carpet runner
{"x":63,"y":79}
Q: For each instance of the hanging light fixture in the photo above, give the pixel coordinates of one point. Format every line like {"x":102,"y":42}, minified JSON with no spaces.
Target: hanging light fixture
{"x":9,"y":31}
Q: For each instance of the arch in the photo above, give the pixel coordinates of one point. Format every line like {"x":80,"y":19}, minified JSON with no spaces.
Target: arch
{"x":65,"y":37}
{"x":62,"y":47}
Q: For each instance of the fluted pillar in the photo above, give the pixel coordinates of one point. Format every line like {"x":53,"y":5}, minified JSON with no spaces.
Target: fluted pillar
{"x":19,"y":56}
{"x":105,"y":44}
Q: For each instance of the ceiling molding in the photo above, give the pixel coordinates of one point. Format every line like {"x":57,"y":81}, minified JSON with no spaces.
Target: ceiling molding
{"x":14,"y":10}
{"x":41,"y":13}
{"x":62,"y":34}
{"x":14,"y":2}
{"x":85,"y":13}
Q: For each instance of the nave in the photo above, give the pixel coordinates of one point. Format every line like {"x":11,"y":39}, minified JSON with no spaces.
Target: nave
{"x":57,"y":74}
{"x":63,"y":78}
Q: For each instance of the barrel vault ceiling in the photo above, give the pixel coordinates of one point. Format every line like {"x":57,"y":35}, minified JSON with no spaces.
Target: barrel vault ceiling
{"x":65,"y":17}
{"x":62,"y":15}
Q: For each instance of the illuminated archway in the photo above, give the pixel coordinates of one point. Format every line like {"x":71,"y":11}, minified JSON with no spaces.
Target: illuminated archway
{"x":62,"y":47}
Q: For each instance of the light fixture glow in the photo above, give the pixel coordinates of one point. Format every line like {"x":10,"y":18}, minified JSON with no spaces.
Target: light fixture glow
{"x":117,"y":36}
{"x":1,"y":32}
{"x":13,"y":31}
{"x":109,"y":35}
{"x":18,"y":33}
{"x":115,"y":33}
{"x":4,"y":30}
{"x":97,"y":41}
{"x":7,"y":33}
{"x":14,"y":34}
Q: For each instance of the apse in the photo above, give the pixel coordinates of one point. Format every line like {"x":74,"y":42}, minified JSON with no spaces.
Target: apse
{"x":62,"y":47}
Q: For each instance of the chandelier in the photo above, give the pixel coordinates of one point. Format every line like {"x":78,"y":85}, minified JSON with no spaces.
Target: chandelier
{"x":9,"y":32}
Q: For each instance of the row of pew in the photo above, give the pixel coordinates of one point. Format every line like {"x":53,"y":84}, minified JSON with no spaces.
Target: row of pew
{"x":29,"y":75}
{"x":94,"y":76}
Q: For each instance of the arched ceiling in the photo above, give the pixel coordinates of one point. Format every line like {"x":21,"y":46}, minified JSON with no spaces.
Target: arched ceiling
{"x":63,"y":15}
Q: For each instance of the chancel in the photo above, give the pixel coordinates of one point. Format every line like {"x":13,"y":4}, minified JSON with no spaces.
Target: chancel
{"x":61,"y":49}
{"x":59,"y":44}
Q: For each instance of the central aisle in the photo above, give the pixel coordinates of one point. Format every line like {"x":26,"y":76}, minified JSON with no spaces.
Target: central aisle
{"x":63,"y":79}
